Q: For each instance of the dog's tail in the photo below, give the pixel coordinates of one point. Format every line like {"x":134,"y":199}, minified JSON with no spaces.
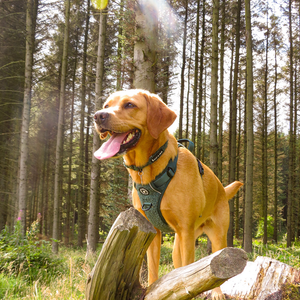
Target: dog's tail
{"x":231,"y":189}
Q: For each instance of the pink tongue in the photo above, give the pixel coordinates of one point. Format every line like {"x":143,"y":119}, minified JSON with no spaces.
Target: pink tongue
{"x":111,"y":147}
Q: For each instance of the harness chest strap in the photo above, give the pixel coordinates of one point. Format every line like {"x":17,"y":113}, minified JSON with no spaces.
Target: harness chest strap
{"x":151,"y":194}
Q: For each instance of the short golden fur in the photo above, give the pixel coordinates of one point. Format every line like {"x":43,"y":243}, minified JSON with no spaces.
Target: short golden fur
{"x":191,"y":204}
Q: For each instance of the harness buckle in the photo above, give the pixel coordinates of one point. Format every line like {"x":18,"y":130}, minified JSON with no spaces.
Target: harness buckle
{"x":170,"y":172}
{"x":146,"y":206}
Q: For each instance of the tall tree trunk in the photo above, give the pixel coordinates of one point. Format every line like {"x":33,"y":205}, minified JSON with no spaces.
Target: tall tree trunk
{"x":183,"y":70}
{"x":204,"y":118}
{"x":250,"y":136}
{"x":81,"y":199}
{"x":188,"y":94}
{"x":237,"y":197}
{"x":93,"y":223}
{"x":31,"y":12}
{"x":120,"y":47}
{"x":203,"y":37}
{"x":69,"y":194}
{"x":295,"y":207}
{"x":145,"y":46}
{"x":60,"y":133}
{"x":87,"y":151}
{"x":233,"y":112}
{"x":265,"y":141}
{"x":275,"y":237}
{"x":195,"y":88}
{"x":222,"y":52}
{"x":291,"y":132}
{"x":214,"y":90}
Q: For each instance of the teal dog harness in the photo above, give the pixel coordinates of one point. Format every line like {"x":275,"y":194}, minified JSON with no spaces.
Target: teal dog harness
{"x":151,"y":194}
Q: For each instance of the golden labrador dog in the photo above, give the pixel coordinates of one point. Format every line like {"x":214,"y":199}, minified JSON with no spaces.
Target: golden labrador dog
{"x":192,"y":203}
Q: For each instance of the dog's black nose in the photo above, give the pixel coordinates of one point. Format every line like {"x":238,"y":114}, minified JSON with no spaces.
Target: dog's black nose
{"x":100,"y":117}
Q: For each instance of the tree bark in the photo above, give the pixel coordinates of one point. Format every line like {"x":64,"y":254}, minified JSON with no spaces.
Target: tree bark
{"x":145,"y":47}
{"x":221,"y":101}
{"x":198,"y":277}
{"x":81,"y":194}
{"x":183,"y":70}
{"x":265,"y":140}
{"x":195,"y":87}
{"x":60,"y":133}
{"x":203,"y":38}
{"x":250,"y":136}
{"x":93,"y":224}
{"x":233,"y":119}
{"x":291,"y":138}
{"x":262,"y":279}
{"x":275,"y":236}
{"x":30,"y":37}
{"x":116,"y":272}
{"x":214,"y":90}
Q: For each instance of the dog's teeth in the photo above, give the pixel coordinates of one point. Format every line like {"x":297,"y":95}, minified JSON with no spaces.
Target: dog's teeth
{"x":129,"y":137}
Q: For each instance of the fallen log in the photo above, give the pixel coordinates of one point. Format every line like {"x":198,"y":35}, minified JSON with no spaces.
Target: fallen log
{"x":205,"y":274}
{"x":265,"y":278}
{"x":115,"y":275}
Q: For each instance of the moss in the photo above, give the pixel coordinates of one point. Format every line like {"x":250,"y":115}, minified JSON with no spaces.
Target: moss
{"x":291,"y":291}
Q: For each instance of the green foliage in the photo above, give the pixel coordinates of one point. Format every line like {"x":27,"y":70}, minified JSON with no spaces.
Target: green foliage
{"x":11,"y":285}
{"x":280,"y":252}
{"x":27,"y":256}
{"x":291,"y":292}
{"x":270,"y":228}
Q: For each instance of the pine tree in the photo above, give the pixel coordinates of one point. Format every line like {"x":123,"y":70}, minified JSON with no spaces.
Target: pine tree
{"x":31,"y":12}
{"x":250,"y":137}
{"x":60,"y":133}
{"x":93,"y":222}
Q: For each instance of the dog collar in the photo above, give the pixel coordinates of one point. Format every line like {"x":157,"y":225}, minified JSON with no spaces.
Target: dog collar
{"x":153,"y":158}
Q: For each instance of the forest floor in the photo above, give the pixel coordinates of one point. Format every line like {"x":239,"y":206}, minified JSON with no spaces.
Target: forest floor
{"x":68,"y":279}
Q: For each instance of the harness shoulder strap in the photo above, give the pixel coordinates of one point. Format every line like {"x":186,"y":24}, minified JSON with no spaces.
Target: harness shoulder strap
{"x":191,"y":148}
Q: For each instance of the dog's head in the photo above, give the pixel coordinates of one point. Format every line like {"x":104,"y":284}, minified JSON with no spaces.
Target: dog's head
{"x":128,"y":117}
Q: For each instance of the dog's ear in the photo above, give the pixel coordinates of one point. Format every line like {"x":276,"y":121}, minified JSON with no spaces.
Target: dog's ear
{"x":159,"y":115}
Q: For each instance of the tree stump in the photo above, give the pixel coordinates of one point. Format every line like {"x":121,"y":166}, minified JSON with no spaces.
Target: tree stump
{"x":116,"y":272}
{"x":262,"y":279}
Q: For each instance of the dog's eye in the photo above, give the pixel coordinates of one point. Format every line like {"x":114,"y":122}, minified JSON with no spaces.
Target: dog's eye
{"x":129,"y":105}
{"x":106,"y":106}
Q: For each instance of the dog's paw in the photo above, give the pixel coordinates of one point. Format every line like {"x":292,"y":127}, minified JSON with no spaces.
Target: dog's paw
{"x":216,"y":294}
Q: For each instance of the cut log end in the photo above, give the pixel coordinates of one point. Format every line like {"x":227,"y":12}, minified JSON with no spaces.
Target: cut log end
{"x":229,"y":263}
{"x":131,"y":218}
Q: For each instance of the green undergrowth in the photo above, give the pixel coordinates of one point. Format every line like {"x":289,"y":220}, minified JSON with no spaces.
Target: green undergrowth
{"x":28,"y":269}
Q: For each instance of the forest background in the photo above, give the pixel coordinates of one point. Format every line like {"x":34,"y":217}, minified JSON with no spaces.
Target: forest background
{"x":59,"y":60}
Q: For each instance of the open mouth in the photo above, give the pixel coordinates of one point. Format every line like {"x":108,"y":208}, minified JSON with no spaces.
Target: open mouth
{"x":130,"y":141}
{"x":118,"y":144}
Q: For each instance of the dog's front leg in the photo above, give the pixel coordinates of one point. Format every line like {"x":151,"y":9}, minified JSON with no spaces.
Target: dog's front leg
{"x":187,"y":246}
{"x":176,"y":255}
{"x":153,"y":256}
